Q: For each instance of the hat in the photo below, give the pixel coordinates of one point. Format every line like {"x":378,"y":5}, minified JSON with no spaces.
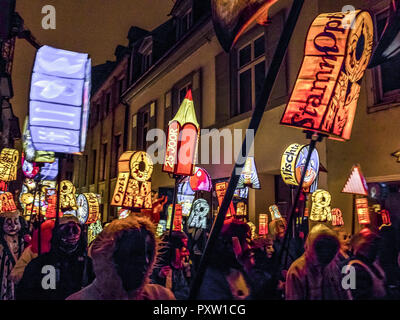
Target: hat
{"x":68,"y":218}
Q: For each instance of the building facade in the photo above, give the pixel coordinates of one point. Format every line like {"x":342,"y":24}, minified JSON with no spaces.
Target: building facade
{"x":184,"y":52}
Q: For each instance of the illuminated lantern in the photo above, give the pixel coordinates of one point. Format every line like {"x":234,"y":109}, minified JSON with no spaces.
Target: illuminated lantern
{"x":275,"y":213}
{"x":123,"y":213}
{"x":337,"y":217}
{"x":385,"y":218}
{"x":67,"y":196}
{"x":29,"y":169}
{"x":7,"y":203}
{"x":241,"y":193}
{"x":51,"y":199}
{"x":198,"y":215}
{"x":3,"y":186}
{"x":253,"y":229}
{"x":362,"y":211}
{"x":161,"y":228}
{"x":262,"y":224}
{"x":292,"y":166}
{"x":249,"y":176}
{"x":232,"y":18}
{"x":49,"y":171}
{"x":320,"y":209}
{"x":356,"y":183}
{"x":182,"y":139}
{"x":177,"y":226}
{"x":220,"y":189}
{"x":59,"y":100}
{"x":326,"y":92}
{"x":133,"y":188}
{"x":200,"y":181}
{"x":185,"y":197}
{"x":88,"y":208}
{"x":241,"y":209}
{"x":8,"y":164}
{"x":94,"y":230}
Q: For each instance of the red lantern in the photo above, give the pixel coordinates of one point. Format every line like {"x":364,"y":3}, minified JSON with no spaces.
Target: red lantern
{"x":263,"y":224}
{"x":362,"y":211}
{"x":183,"y":132}
{"x":220,"y":189}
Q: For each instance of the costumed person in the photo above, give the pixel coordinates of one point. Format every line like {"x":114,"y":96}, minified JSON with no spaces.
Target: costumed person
{"x":227,"y":273}
{"x":66,"y":265}
{"x":370,"y":277}
{"x":316,"y":274}
{"x":173,"y":268}
{"x":31,"y":252}
{"x":12,"y":228}
{"x":345,"y":247}
{"x":123,"y":255}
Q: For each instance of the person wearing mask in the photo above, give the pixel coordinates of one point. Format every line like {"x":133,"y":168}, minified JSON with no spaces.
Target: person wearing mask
{"x":61,"y":271}
{"x":370,"y":278}
{"x":123,"y":256}
{"x":345,"y":247}
{"x":316,"y":274}
{"x":173,"y":268}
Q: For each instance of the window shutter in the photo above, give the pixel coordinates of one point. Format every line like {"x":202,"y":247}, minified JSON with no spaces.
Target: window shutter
{"x":273,"y":33}
{"x":153,"y":115}
{"x":222,"y":80}
{"x":134,"y":131}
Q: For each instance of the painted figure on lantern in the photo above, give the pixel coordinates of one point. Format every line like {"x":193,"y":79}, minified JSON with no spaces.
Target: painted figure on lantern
{"x":198,"y":215}
{"x":321,"y":210}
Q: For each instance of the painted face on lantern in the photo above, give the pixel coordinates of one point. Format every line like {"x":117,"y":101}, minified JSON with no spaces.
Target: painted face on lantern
{"x":11,"y":226}
{"x":311,"y":173}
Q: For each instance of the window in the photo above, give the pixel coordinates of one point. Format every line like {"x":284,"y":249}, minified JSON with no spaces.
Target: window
{"x":146,"y":50}
{"x":143,"y":127}
{"x":116,"y":153}
{"x":103,"y":168}
{"x":387,"y":77}
{"x":121,"y":87}
{"x":185,"y":23}
{"x":146,"y":62}
{"x":93,"y":173}
{"x":251,"y":73}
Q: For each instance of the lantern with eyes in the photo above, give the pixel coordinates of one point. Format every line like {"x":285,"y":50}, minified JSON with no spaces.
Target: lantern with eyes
{"x":161,"y":227}
{"x":198,"y":215}
{"x":249,"y":176}
{"x":67,"y":196}
{"x":133,"y":187}
{"x":321,"y":210}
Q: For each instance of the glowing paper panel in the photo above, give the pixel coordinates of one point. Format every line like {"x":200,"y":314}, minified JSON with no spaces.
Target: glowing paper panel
{"x":201,"y":180}
{"x":93,"y":231}
{"x":177,"y":226}
{"x":161,"y":227}
{"x":30,"y":169}
{"x":59,"y":100}
{"x":385,"y":218}
{"x":220,"y":189}
{"x":321,"y":210}
{"x":88,"y":208}
{"x":182,"y":140}
{"x":356,"y":183}
{"x":362,"y":211}
{"x":326,"y":92}
{"x":263,"y":224}
{"x":249,"y":176}
{"x":293,"y":163}
{"x":198,"y":215}
{"x":241,"y":209}
{"x":7,"y":203}
{"x":49,"y":171}
{"x":8,"y":164}
{"x":67,"y":196}
{"x":337,"y":217}
{"x":274,"y":210}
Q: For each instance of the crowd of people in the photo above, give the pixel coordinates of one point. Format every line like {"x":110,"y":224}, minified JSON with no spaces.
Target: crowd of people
{"x":127,"y":260}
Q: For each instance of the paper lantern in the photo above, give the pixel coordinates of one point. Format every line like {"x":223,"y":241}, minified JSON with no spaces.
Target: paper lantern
{"x":161,"y":228}
{"x":185,"y":196}
{"x":88,"y":208}
{"x":201,"y":180}
{"x":362,"y":211}
{"x":177,"y":226}
{"x":337,"y":217}
{"x":220,"y":189}
{"x":326,"y":92}
{"x":232,"y":18}
{"x":198,"y":215}
{"x":241,"y":193}
{"x":275,"y":214}
{"x":51,"y":199}
{"x":30,"y":169}
{"x":385,"y":218}
{"x":49,"y":171}
{"x":241,"y":209}
{"x":59,"y":100}
{"x":7,"y":203}
{"x":133,"y":188}
{"x":94,"y":230}
{"x":182,"y":140}
{"x":320,"y":209}
{"x":67,"y":196}
{"x":356,"y":183}
{"x":292,"y":166}
{"x":262,"y":224}
{"x":249,"y":176}
{"x":252,"y":229}
{"x":123,"y":213}
{"x":8,"y":164}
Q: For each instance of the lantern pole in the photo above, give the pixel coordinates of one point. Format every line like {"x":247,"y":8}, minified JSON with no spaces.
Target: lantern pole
{"x":60,"y":157}
{"x":254,"y":124}
{"x":171,"y":224}
{"x":40,"y":165}
{"x":353,"y":215}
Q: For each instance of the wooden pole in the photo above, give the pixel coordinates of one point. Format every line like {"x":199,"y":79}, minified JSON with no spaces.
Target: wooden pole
{"x":171,"y":224}
{"x":254,"y":124}
{"x":60,"y":157}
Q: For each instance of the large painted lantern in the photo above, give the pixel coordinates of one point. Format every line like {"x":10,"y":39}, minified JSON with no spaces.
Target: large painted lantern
{"x":182,"y":140}
{"x":59,"y":100}
{"x":362,"y":211}
{"x":185,"y":196}
{"x":356,"y":183}
{"x":201,"y":180}
{"x":220,"y":189}
{"x":198,"y":215}
{"x":8,"y":164}
{"x":7,"y":203}
{"x":293,"y":163}
{"x":320,"y":209}
{"x":326,"y":92}
{"x":88,"y":208}
{"x":133,"y":187}
{"x":249,"y":176}
{"x":67,"y":196}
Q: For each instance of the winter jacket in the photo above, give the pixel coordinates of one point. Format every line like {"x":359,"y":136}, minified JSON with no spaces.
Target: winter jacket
{"x":19,"y":268}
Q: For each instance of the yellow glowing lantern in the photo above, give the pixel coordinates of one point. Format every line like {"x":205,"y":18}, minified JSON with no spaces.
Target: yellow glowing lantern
{"x":7,"y":203}
{"x":8,"y":164}
{"x":320,"y":210}
{"x":88,"y":208}
{"x":275,"y":213}
{"x":67,"y":196}
{"x":133,"y":188}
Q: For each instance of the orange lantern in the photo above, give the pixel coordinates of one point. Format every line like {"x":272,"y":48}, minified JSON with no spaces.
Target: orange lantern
{"x":7,"y":203}
{"x":182,"y":140}
{"x":8,"y":164}
{"x":177,"y":225}
{"x":220,"y":189}
{"x":362,"y":211}
{"x":88,"y":208}
{"x":337,"y":217}
{"x":263,"y":224}
{"x":326,"y":92}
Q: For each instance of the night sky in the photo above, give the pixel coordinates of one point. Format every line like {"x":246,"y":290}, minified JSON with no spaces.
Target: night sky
{"x":90,"y":26}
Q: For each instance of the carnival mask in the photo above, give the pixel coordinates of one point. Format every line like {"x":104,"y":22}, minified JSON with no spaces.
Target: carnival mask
{"x":69,"y":235}
{"x":11,"y":225}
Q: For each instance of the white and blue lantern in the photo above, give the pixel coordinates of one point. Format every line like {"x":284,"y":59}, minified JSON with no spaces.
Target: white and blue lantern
{"x":59,"y":100}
